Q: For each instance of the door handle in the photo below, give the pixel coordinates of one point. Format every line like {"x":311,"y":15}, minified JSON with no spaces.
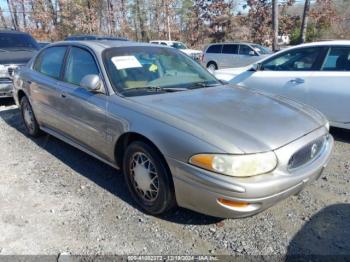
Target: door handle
{"x":297,"y":81}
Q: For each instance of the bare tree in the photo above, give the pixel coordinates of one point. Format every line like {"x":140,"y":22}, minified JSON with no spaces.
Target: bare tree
{"x":23,"y":9}
{"x":275,"y":25}
{"x":304,"y":22}
{"x":13,"y":14}
{"x":3,"y":21}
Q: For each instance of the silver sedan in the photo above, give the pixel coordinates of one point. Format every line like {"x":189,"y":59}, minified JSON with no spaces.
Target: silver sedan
{"x":179,"y":136}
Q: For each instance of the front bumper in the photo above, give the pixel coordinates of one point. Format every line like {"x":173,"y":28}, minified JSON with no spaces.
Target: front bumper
{"x":6,"y":88}
{"x":199,"y":190}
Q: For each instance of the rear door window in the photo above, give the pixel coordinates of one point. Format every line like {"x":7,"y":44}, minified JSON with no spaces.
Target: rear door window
{"x":50,"y":61}
{"x":230,"y":49}
{"x":214,"y":49}
{"x":337,"y":59}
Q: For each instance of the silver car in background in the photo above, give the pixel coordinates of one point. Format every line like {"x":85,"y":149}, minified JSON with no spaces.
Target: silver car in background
{"x":224,"y":55}
{"x":179,"y":136}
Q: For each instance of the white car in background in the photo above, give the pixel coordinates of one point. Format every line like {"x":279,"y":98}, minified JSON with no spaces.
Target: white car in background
{"x":195,"y":54}
{"x":317,"y":74}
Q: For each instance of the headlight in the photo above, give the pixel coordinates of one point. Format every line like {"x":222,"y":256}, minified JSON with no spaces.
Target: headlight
{"x":236,"y":165}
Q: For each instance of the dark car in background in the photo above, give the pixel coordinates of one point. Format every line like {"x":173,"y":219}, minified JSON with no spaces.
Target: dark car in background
{"x":16,"y":49}
{"x":94,"y":37}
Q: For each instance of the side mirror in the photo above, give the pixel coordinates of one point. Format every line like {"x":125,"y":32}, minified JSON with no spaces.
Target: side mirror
{"x":251,"y":53}
{"x":256,"y":67}
{"x":92,"y":83}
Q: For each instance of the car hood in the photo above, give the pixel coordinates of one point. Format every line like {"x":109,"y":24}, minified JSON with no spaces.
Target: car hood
{"x":16,"y":57}
{"x":234,"y":119}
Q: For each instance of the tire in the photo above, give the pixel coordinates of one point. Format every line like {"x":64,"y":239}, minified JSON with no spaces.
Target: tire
{"x":148,"y":178}
{"x":28,"y":117}
{"x":212,"y":66}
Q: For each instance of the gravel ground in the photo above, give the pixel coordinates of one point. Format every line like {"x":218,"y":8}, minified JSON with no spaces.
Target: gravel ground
{"x":55,"y":198}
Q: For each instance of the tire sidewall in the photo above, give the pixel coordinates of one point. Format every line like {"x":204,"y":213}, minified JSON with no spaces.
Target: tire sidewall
{"x":212,"y":66}
{"x":165,"y":198}
{"x":36,"y":130}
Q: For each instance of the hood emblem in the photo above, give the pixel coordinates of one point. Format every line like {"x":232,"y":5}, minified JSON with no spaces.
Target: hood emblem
{"x":313,"y":152}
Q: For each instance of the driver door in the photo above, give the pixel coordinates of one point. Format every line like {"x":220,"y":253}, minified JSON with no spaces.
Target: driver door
{"x":85,"y":111}
{"x":288,"y":74}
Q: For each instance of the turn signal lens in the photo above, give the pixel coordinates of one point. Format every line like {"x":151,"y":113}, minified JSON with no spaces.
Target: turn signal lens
{"x":204,"y":161}
{"x":231,"y":203}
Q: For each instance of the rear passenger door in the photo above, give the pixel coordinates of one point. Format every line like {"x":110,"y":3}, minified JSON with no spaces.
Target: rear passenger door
{"x":85,"y":111}
{"x":230,"y":55}
{"x":44,"y":83}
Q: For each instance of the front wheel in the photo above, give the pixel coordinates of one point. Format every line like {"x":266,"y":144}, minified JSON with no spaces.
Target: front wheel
{"x":148,"y":178}
{"x":29,"y":119}
{"x":211,"y":66}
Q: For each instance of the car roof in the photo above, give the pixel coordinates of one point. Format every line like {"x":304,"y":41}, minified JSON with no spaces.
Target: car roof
{"x":166,"y":41}
{"x":96,"y":37}
{"x":327,"y":43}
{"x":100,"y":45}
{"x":233,"y":43}
{"x":13,"y":32}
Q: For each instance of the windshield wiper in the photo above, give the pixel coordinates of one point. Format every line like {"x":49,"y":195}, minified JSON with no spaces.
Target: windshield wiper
{"x":202,"y":85}
{"x":154,"y":89}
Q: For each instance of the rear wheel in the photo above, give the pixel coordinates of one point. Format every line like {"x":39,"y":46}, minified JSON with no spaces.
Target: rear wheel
{"x":29,"y":119}
{"x":212,"y":66}
{"x":148,"y":178}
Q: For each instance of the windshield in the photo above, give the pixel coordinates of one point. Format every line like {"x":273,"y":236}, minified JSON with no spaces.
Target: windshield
{"x":262,"y":49}
{"x":144,"y":70}
{"x":17,"y":41}
{"x":178,"y":45}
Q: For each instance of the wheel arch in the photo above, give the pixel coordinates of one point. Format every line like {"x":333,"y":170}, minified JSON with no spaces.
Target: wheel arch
{"x":126,"y":139}
{"x":212,"y":62}
{"x":20,"y":95}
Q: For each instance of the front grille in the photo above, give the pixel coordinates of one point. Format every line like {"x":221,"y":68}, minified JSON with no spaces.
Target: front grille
{"x":307,"y":153}
{"x":5,"y":80}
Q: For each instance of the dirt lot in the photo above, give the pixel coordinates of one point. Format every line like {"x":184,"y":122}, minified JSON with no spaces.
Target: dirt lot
{"x":55,"y":198}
